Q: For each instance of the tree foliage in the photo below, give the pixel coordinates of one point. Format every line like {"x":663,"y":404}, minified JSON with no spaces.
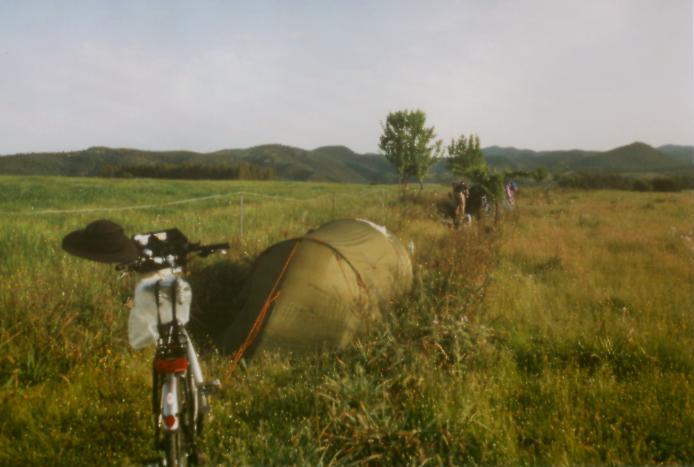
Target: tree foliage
{"x":465,"y":156}
{"x":409,"y":145}
{"x":540,"y":174}
{"x":466,"y":160}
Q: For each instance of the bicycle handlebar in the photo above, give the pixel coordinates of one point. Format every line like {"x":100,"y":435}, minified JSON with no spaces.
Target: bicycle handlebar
{"x":167,"y":249}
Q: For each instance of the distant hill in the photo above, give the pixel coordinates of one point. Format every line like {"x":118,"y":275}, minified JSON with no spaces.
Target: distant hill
{"x":330,"y":163}
{"x":341,"y":164}
{"x":526,"y":159}
{"x":635,"y":157}
{"x":683,"y":154}
{"x":626,"y":158}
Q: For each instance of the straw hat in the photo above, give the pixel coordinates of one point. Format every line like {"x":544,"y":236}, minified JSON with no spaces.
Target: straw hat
{"x":102,"y":241}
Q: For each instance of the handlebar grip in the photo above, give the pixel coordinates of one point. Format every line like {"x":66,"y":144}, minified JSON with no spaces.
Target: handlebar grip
{"x":205,"y":250}
{"x":217,"y":246}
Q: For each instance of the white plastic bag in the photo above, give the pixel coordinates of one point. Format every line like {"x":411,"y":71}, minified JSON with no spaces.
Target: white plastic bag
{"x":142,"y":322}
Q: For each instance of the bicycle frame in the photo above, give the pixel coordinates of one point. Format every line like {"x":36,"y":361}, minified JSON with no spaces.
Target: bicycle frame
{"x":176,"y":375}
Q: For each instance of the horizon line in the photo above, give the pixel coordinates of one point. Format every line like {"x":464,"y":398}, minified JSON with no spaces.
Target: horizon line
{"x":63,"y":151}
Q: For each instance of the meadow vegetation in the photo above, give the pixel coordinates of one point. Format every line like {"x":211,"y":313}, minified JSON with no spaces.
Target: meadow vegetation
{"x":561,"y":334}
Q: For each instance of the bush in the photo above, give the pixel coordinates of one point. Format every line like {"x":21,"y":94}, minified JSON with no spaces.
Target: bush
{"x":596,"y":181}
{"x":243,"y":171}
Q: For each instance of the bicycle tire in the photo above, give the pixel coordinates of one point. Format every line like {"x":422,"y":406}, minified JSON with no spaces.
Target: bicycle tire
{"x":179,"y":446}
{"x":190,"y":409}
{"x":193,"y":408}
{"x":174,"y":450}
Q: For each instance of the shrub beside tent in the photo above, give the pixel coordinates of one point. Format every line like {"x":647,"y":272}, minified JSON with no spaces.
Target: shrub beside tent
{"x":319,"y":290}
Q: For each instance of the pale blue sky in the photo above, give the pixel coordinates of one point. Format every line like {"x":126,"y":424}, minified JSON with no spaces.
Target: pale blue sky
{"x":206,"y":75}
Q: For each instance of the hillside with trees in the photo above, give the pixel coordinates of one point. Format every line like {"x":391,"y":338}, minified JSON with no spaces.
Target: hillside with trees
{"x":339,"y":163}
{"x":634,"y":157}
{"x":330,"y":163}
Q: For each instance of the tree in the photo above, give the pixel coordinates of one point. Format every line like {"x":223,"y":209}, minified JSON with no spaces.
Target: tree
{"x":466,"y":160}
{"x":409,"y":145}
{"x":539,"y":174}
{"x":465,"y":156}
{"x":492,"y":184}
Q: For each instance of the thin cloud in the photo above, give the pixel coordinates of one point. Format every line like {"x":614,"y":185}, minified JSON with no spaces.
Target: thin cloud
{"x":538,"y":74}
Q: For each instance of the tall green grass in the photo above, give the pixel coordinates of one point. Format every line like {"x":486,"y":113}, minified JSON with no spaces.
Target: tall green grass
{"x":561,"y":335}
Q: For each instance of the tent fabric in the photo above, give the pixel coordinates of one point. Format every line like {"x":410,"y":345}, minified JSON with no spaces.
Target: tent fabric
{"x":329,"y":285}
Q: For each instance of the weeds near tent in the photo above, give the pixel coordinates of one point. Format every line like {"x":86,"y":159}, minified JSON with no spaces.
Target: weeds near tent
{"x":383,"y":404}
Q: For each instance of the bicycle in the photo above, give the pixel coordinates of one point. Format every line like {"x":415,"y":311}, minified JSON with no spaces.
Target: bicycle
{"x":179,"y":393}
{"x":159,"y":315}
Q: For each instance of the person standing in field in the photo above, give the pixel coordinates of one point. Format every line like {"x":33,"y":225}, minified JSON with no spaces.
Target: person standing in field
{"x":460,"y":194}
{"x":511,"y":189}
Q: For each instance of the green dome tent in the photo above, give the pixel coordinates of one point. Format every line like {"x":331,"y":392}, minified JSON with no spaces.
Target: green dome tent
{"x":320,"y":289}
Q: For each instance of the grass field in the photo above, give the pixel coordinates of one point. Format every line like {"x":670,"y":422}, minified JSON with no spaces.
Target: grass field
{"x":561,"y":335}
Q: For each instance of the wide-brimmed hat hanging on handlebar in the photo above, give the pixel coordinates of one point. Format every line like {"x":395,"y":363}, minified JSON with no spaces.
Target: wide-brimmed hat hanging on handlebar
{"x":102,"y":241}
